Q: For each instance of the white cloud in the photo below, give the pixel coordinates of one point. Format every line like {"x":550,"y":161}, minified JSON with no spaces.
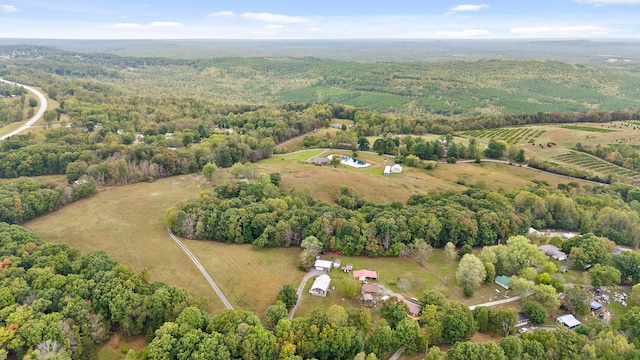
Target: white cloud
{"x":227,"y":14}
{"x":467,"y":7}
{"x":8,"y":8}
{"x":274,"y":18}
{"x":274,"y":27}
{"x":561,"y":31}
{"x":609,"y":2}
{"x":314,"y":28}
{"x":466,"y":33}
{"x":152,"y":25}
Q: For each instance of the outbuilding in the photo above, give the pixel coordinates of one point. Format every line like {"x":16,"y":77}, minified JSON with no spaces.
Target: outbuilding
{"x":569,"y":321}
{"x":370,"y":288}
{"x":595,"y":306}
{"x":503,"y":281}
{"x":523,"y":319}
{"x":320,"y":286}
{"x":323,"y":265}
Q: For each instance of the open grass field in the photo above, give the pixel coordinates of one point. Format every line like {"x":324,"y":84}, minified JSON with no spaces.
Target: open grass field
{"x":249,"y":278}
{"x":127,"y":223}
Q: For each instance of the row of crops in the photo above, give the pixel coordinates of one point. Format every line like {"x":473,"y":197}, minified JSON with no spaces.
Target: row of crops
{"x":595,"y":164}
{"x":509,"y":135}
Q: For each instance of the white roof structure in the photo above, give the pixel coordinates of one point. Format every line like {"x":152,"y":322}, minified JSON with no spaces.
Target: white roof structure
{"x":324,"y":264}
{"x":387,"y":170}
{"x":322,"y":282}
{"x":569,"y":321}
{"x":396,"y":168}
{"x":553,"y":252}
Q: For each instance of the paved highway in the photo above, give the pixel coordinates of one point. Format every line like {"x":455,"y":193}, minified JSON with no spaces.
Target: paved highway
{"x":32,"y":120}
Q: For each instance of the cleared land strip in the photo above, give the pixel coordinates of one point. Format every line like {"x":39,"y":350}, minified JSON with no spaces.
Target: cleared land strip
{"x":202,"y":270}
{"x":32,"y":120}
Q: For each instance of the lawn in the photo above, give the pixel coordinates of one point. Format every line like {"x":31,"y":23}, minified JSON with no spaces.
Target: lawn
{"x":127,"y":223}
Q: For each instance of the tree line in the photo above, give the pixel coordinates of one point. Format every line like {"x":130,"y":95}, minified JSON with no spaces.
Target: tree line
{"x":260,"y":214}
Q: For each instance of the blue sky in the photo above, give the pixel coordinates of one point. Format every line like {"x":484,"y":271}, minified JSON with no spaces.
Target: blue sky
{"x":321,"y":19}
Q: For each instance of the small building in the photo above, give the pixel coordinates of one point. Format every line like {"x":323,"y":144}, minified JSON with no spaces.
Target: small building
{"x":320,"y":161}
{"x":553,"y":252}
{"x":503,"y":281}
{"x":413,"y":309}
{"x":595,"y":306}
{"x":347,"y":268}
{"x":168,"y":134}
{"x":320,"y":286}
{"x":368,"y":299}
{"x":523,"y":319}
{"x":387,"y":170}
{"x":323,"y":265}
{"x":365,"y":274}
{"x":336,"y":263}
{"x":569,"y":321}
{"x":370,"y":289}
{"x":396,"y":169}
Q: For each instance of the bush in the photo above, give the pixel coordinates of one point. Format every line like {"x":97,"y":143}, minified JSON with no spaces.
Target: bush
{"x":467,"y":291}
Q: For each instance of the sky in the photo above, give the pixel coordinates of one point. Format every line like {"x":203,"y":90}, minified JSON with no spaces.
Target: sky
{"x":319,"y":19}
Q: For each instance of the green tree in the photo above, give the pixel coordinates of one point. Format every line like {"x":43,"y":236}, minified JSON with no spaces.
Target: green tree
{"x":288,"y":295}
{"x":628,"y":262}
{"x":603,"y":275}
{"x":450,"y":252}
{"x":472,"y":351}
{"x":471,"y":271}
{"x":457,"y":321}
{"x":521,"y":287}
{"x":432,"y":297}
{"x":576,"y":300}
{"x":630,"y":323}
{"x":394,"y":311}
{"x":407,"y":335}
{"x":512,"y":347}
{"x":381,"y":340}
{"x":546,"y":296}
{"x":464,"y":250}
{"x":337,"y":315}
{"x":209,"y":170}
{"x":495,"y":149}
{"x":435,"y":353}
{"x":536,"y":313}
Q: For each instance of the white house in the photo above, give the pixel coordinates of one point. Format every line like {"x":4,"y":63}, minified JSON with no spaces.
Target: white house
{"x":323,"y":265}
{"x":553,"y":252}
{"x":396,"y":169}
{"x":569,"y":321}
{"x":320,"y":286}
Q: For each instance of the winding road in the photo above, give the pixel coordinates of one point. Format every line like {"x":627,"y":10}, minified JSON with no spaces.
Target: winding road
{"x":32,"y":120}
{"x":202,"y":270}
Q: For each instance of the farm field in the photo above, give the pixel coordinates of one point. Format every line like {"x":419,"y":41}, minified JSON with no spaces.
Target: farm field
{"x":592,"y":163}
{"x":516,"y":135}
{"x":127,"y":223}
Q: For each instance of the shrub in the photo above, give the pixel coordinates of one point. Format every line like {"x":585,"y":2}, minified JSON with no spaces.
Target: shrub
{"x":467,"y":291}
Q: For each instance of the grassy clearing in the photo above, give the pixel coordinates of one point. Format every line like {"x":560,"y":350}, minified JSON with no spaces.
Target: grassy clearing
{"x":249,"y":278}
{"x":294,"y":158}
{"x":127,"y":223}
{"x":113,"y":348}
